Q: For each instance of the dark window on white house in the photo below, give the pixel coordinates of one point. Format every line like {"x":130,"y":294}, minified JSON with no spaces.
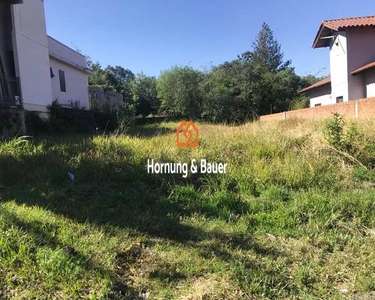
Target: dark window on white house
{"x":62,"y":81}
{"x":318,"y":104}
{"x":339,"y":99}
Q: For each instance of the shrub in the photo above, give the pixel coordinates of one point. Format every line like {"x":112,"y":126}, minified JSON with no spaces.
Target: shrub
{"x":35,"y":125}
{"x":299,"y":103}
{"x":125,"y":118}
{"x":344,"y":138}
{"x":334,"y":131}
{"x":74,"y":120}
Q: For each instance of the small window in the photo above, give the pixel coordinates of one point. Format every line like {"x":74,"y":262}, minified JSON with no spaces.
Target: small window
{"x":62,"y":81}
{"x":318,"y":104}
{"x":339,"y":99}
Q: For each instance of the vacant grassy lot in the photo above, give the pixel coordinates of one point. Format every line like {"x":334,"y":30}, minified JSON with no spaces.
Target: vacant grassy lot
{"x":293,"y":218}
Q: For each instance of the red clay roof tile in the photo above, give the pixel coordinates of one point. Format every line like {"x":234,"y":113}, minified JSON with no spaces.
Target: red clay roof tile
{"x":340,"y":24}
{"x":363,"y":68}
{"x":317,"y":84}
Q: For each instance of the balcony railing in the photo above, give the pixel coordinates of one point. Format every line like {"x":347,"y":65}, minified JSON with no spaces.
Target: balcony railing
{"x":10,"y":94}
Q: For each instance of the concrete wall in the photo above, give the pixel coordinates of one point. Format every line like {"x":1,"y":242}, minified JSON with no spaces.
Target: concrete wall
{"x":101,"y":100}
{"x":30,"y":46}
{"x":339,"y":66}
{"x":355,"y":109}
{"x":76,"y":85}
{"x":321,"y":95}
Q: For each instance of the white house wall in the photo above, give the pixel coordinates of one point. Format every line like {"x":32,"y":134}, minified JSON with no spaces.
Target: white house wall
{"x":76,"y":85}
{"x":339,"y":67}
{"x":321,"y":95}
{"x":66,"y":54}
{"x":31,"y":52}
{"x":370,"y":83}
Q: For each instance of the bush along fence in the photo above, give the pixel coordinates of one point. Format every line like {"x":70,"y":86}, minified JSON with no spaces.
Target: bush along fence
{"x":353,"y":109}
{"x":12,"y":122}
{"x":17,"y":122}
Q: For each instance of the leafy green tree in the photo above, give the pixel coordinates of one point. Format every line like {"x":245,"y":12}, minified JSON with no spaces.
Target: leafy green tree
{"x":257,"y":82}
{"x":308,"y":80}
{"x":221,"y":89}
{"x":144,"y":93}
{"x":120,"y":79}
{"x":112,"y":79}
{"x":98,"y":77}
{"x":267,"y":83}
{"x":266,"y":51}
{"x":179,"y":91}
{"x":282,"y":87}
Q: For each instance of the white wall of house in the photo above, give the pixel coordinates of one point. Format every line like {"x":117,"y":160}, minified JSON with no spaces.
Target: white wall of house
{"x":30,"y":47}
{"x":73,"y":64}
{"x":76,"y":82}
{"x":321,"y":96}
{"x":66,"y":54}
{"x":361,"y":51}
{"x":339,"y":66}
{"x":370,"y":83}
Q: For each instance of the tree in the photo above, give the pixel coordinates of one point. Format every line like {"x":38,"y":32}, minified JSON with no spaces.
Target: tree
{"x":120,"y":79}
{"x":179,"y":92}
{"x":267,"y":83}
{"x":266,"y":51}
{"x":112,"y":79}
{"x":221,"y":92}
{"x":98,"y":77}
{"x":257,"y":82}
{"x":144,"y":93}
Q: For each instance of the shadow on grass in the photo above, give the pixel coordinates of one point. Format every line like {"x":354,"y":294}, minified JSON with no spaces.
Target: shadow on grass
{"x":104,"y":192}
{"x":40,"y":233}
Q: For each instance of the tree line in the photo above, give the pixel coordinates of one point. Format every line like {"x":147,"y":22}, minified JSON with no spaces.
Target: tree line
{"x":257,"y":82}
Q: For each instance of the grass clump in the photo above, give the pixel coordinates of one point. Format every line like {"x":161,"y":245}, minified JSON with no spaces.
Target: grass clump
{"x":288,"y":220}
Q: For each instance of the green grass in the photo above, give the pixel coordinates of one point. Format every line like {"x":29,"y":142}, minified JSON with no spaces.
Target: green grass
{"x":290,"y":220}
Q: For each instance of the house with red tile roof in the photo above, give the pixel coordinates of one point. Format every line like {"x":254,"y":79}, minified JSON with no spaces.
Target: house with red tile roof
{"x":351,"y":43}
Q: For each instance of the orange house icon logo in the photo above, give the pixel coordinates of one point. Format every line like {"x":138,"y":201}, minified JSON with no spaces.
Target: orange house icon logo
{"x":187,"y":135}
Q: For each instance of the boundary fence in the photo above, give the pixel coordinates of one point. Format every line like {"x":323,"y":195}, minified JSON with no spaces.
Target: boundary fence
{"x":353,"y":109}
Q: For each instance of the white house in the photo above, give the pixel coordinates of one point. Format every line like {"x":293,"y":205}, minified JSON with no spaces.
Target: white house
{"x":36,"y":69}
{"x":352,"y":61}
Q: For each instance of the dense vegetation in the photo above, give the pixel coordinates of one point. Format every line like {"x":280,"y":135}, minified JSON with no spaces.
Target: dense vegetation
{"x":257,"y":82}
{"x":293,"y":218}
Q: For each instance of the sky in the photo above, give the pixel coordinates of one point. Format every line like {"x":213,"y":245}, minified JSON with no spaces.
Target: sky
{"x":150,"y":36}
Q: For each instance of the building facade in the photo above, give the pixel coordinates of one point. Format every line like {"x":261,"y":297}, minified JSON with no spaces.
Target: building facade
{"x":35,"y":69}
{"x":351,"y":43}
